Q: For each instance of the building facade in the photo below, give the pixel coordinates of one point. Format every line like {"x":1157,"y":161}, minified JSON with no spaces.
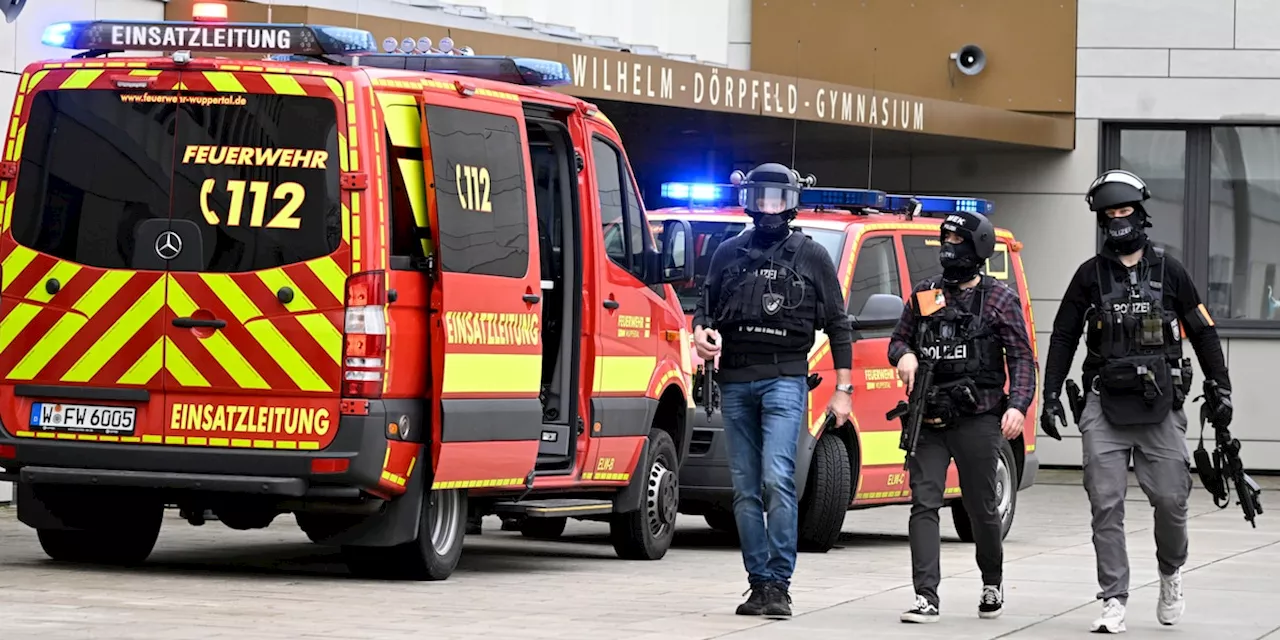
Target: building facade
{"x":1182,"y":92}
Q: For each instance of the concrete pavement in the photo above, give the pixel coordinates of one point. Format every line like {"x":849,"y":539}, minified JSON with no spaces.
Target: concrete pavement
{"x":212,"y":582}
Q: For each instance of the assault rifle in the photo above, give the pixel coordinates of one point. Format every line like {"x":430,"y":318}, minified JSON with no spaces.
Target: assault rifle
{"x":704,"y":385}
{"x":911,"y":411}
{"x":1225,"y":470}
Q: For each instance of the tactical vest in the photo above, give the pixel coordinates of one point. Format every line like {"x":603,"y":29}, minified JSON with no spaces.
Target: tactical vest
{"x":766,"y":303}
{"x":1140,"y":346}
{"x":966,"y":352}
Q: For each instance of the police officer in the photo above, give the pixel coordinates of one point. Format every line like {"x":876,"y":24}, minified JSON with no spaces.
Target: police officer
{"x":1136,"y":303}
{"x":968,"y":327}
{"x":767,"y":291}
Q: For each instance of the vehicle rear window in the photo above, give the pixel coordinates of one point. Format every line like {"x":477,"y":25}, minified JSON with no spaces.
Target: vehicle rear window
{"x":256,"y":177}
{"x":707,"y":236}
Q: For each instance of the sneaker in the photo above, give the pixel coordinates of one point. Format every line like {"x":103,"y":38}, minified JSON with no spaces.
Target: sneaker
{"x":992,"y":603}
{"x":755,"y":605}
{"x":1171,"y":606}
{"x":1112,"y":618}
{"x":778,"y":604}
{"x":923,"y":613}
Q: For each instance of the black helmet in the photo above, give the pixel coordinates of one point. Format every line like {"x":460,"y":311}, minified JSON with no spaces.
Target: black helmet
{"x":770,"y":188}
{"x":1116,"y":188}
{"x":975,"y":228}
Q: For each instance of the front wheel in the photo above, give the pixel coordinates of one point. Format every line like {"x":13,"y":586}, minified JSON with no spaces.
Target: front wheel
{"x":646,"y":534}
{"x":1006,"y":497}
{"x":433,"y":555}
{"x":126,"y":539}
{"x":826,"y":496}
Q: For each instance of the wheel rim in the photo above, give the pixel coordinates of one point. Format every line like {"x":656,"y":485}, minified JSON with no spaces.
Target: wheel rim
{"x":660,"y":499}
{"x":1004,"y":492}
{"x":444,"y":517}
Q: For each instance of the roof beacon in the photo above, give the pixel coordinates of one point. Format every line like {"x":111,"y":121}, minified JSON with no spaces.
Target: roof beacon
{"x":833,"y":198}
{"x":701,"y":193}
{"x":220,"y":37}
{"x":940,"y":206}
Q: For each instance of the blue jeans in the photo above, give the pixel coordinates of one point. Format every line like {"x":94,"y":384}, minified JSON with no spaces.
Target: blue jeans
{"x":762,"y":421}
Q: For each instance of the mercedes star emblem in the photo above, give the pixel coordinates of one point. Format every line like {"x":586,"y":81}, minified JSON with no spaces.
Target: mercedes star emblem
{"x":168,"y":245}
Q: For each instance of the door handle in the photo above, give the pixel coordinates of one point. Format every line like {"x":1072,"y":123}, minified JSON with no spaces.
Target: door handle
{"x":193,"y":323}
{"x":611,"y":304}
{"x":532,"y":298}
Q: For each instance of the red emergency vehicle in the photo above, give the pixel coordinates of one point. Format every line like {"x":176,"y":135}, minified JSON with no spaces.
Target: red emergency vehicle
{"x":379,"y":291}
{"x":882,"y":245}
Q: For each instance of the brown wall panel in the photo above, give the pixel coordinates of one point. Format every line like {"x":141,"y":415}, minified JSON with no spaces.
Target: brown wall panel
{"x":902,"y":46}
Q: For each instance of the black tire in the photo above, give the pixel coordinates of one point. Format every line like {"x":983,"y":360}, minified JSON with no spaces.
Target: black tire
{"x":827,"y":495}
{"x":543,"y":528}
{"x":126,"y":539}
{"x":646,"y":534}
{"x":722,"y":521}
{"x":433,"y":555}
{"x":1006,"y":494}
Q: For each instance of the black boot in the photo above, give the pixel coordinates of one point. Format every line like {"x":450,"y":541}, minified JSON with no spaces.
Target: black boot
{"x":755,"y":605}
{"x":778,"y":604}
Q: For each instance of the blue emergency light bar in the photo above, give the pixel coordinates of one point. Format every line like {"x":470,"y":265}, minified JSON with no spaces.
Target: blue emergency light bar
{"x":830,"y":197}
{"x":531,"y":72}
{"x":940,"y":204}
{"x":223,"y":37}
{"x":700,"y":192}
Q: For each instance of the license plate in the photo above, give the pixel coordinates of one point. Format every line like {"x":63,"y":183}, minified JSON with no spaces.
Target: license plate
{"x":83,"y":418}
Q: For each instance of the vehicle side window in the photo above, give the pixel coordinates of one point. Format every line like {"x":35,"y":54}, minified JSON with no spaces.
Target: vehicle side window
{"x":621,"y":216}
{"x":876,"y":271}
{"x":922,"y":257}
{"x":482,"y":201}
{"x":408,"y":197}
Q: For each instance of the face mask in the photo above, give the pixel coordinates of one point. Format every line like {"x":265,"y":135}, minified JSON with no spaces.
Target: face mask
{"x":1124,"y":236}
{"x":770,"y":227}
{"x":959,"y":262}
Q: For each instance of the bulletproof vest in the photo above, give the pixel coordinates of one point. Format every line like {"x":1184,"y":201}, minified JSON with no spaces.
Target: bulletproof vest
{"x":961,"y":343}
{"x":1140,"y":346}
{"x":764,"y":294}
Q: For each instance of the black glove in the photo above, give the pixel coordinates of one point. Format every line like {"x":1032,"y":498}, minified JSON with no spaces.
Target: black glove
{"x":1052,"y":408}
{"x":1222,"y":410}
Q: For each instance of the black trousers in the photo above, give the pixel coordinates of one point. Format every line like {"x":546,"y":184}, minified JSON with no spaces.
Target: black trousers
{"x":974,"y":442}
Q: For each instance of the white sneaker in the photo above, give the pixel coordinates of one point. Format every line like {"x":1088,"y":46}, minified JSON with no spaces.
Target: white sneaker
{"x":923,"y":612}
{"x":1171,"y":606}
{"x":1112,"y":618}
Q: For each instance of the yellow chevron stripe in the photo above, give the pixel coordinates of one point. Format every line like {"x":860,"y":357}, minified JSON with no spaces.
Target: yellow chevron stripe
{"x":15,"y":321}
{"x":4,"y":205}
{"x":224,"y":81}
{"x":102,"y":292}
{"x":325,"y":334}
{"x":342,"y":163}
{"x":284,"y":84}
{"x":147,"y":366}
{"x":16,"y":262}
{"x":63,"y":271}
{"x":48,"y":346}
{"x":22,"y":85}
{"x":180,"y":367}
{"x":17,"y":145}
{"x":80,"y":79}
{"x":264,"y":332}
{"x":332,"y":275}
{"x":277,"y":279}
{"x":217,"y":344}
{"x":334,"y":86}
{"x":142,"y":311}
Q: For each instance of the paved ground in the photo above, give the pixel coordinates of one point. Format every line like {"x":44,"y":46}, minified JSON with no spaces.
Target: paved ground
{"x":212,"y":582}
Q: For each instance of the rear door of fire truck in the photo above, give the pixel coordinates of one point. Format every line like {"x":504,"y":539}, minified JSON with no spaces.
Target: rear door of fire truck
{"x":476,"y":159}
{"x":84,"y":322}
{"x":258,"y":247}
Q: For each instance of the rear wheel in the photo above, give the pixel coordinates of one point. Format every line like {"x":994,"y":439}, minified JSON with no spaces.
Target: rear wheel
{"x":543,"y":528}
{"x":646,"y":534}
{"x":126,"y":538}
{"x":1006,"y":497}
{"x":826,"y":496}
{"x":433,"y":555}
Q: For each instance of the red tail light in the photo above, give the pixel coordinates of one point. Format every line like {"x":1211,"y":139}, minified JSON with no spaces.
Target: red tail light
{"x":364,"y":354}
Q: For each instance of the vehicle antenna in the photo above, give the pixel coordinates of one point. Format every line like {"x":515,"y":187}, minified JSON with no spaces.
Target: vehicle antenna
{"x":270,"y":6}
{"x":871,"y":143}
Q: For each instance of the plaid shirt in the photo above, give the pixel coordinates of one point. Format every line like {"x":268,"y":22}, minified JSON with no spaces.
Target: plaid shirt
{"x":1003,"y":312}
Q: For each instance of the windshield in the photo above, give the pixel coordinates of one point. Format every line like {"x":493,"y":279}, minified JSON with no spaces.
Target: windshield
{"x":708,"y":235}
{"x":248,"y":183}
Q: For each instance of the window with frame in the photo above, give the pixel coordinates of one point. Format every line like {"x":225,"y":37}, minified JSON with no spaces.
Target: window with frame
{"x":875,"y":271}
{"x":621,"y":215}
{"x":1215,"y":206}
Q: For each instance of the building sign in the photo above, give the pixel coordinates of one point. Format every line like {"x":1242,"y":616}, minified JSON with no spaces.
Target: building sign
{"x":625,"y":77}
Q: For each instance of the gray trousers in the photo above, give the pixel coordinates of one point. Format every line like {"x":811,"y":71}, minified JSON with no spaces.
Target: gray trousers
{"x":1163,"y":468}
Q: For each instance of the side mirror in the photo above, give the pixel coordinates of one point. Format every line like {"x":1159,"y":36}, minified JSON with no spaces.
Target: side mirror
{"x":880,"y":311}
{"x":675,"y":249}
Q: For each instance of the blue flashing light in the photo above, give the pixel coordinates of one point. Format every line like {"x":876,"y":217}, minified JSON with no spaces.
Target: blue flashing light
{"x":543,"y":73}
{"x":223,"y":37}
{"x":824,"y":197}
{"x":696,"y":191}
{"x":525,"y":71}
{"x":941,"y":204}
